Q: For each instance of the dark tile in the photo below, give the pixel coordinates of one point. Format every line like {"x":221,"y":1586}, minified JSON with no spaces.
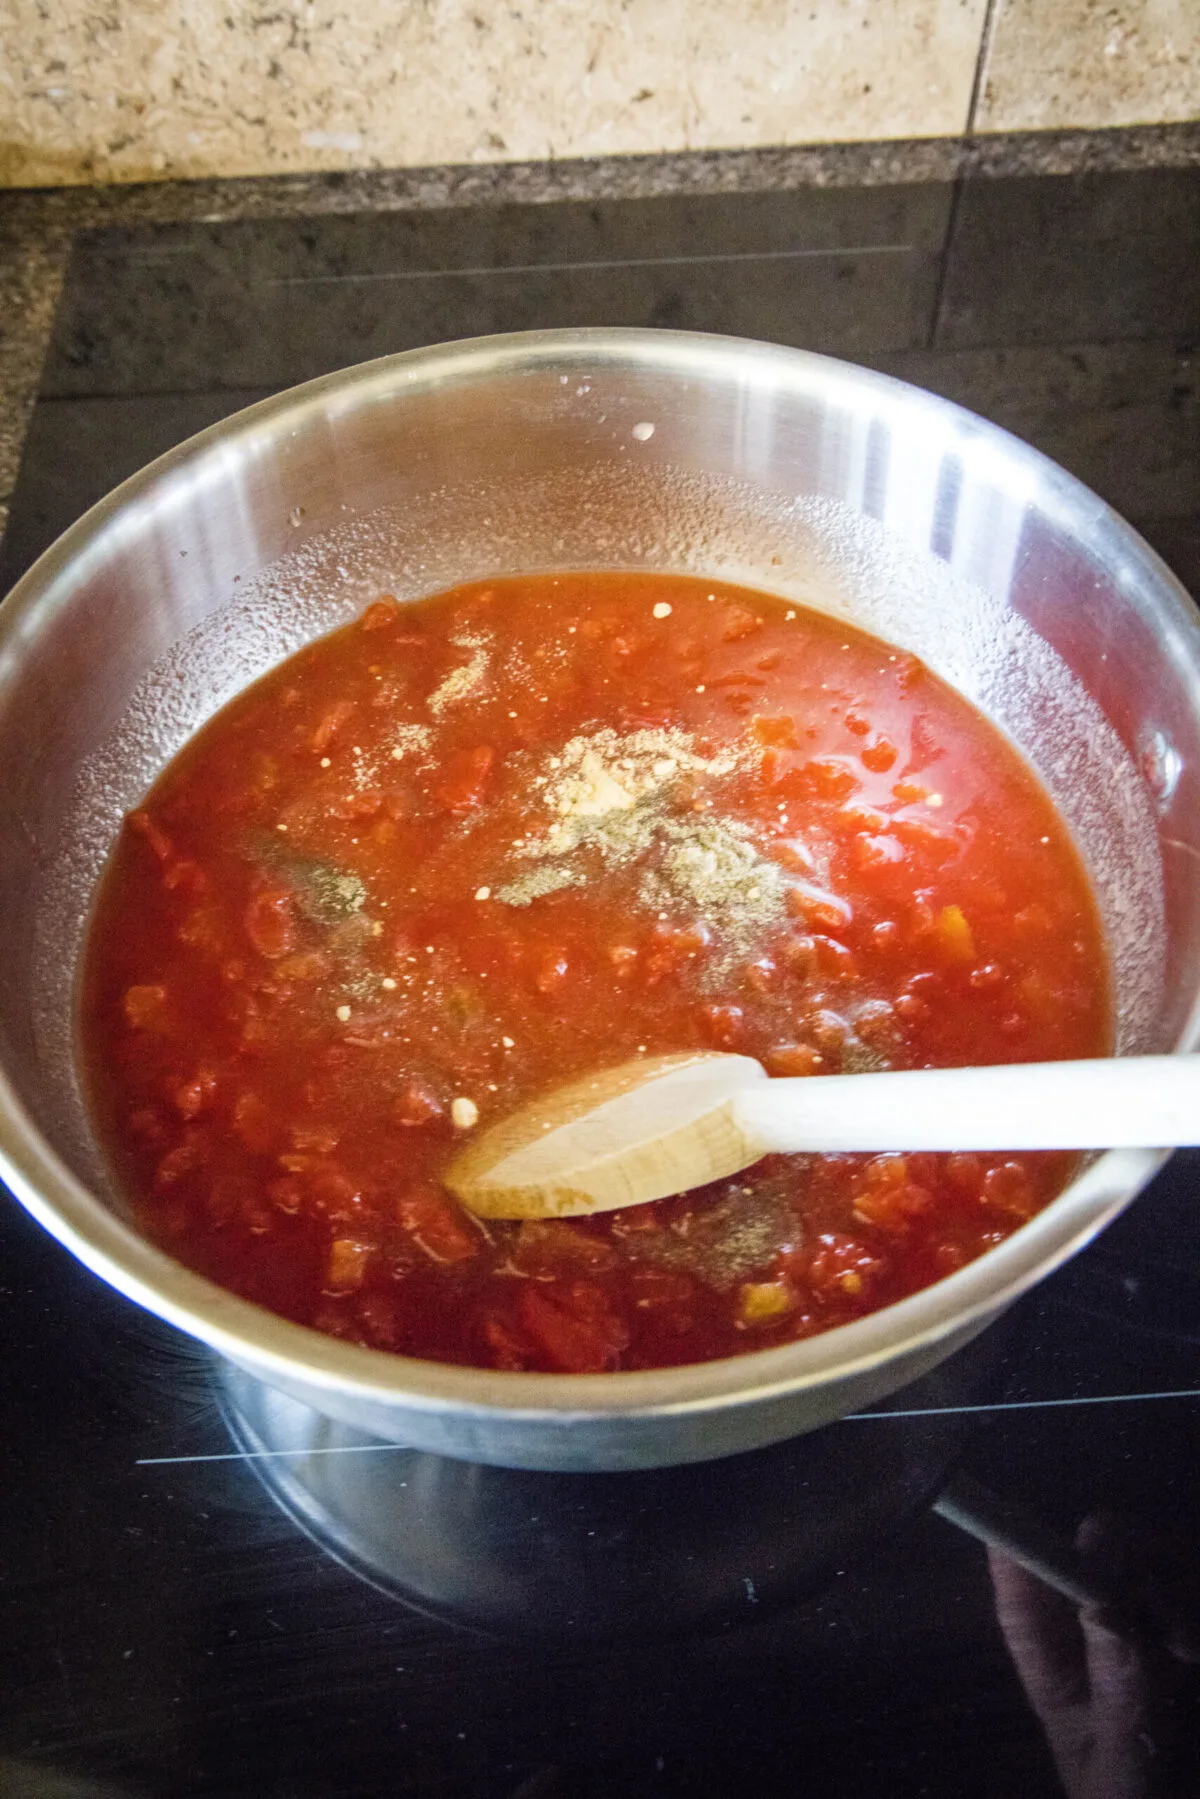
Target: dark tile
{"x":79,"y":450}
{"x":1074,"y":259}
{"x":1123,"y":417}
{"x":273,"y":302}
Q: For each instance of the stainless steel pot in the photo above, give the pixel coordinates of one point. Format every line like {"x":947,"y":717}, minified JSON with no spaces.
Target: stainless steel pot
{"x":587,"y":449}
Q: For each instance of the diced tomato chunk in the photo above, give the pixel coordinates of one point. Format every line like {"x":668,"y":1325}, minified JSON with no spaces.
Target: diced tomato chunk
{"x":824,"y":910}
{"x":551,"y":971}
{"x":382,"y":612}
{"x":145,"y":1007}
{"x":379,"y":1315}
{"x":739,"y":622}
{"x":306,"y":965}
{"x":184,"y":1159}
{"x":330,"y":726}
{"x":879,"y":756}
{"x":671,"y":949}
{"x":824,"y":778}
{"x":778,"y":732}
{"x":192,"y":1097}
{"x":254,"y":1123}
{"x":418,"y":1104}
{"x":1007,"y":1188}
{"x":437,"y":1226}
{"x":270,"y":922}
{"x":888,"y":1198}
{"x":574,"y":1325}
{"x":835,"y":960}
{"x":874,"y":852}
{"x":841,"y":1266}
{"x":346,"y":1268}
{"x":159,"y":842}
{"x":793,"y":1059}
{"x":722,"y":1026}
{"x":552,"y":1244}
{"x":466,"y":779}
{"x":506,"y":1347}
{"x":184,"y":876}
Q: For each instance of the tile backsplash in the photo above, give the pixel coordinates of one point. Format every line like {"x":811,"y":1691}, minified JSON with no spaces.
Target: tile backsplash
{"x":193,"y":88}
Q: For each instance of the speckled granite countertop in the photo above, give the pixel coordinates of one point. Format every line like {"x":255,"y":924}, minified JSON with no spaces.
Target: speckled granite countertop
{"x":39,"y":227}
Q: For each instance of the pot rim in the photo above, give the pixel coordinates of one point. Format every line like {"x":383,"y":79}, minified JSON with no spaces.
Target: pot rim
{"x":248,"y":1333}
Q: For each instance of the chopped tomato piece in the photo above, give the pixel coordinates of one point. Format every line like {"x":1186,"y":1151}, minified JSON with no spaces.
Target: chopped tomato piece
{"x":670,"y":950}
{"x":146,"y":1007}
{"x":254,"y":1124}
{"x":835,"y":960}
{"x":332,"y":723}
{"x":466,"y":779}
{"x":793,"y":1059}
{"x":307,"y":965}
{"x":888,"y":1198}
{"x":506,"y":1347}
{"x":438,"y":1226}
{"x":417,"y":1104}
{"x":553,"y":1245}
{"x":722,"y":1025}
{"x":184,"y":876}
{"x":185,"y":1158}
{"x":872,"y":853}
{"x":346,"y":1268}
{"x":193,"y":1096}
{"x":382,"y":612}
{"x":574,"y":1325}
{"x":817,"y":906}
{"x":739,"y":622}
{"x":159,"y":842}
{"x":1008,"y":1188}
{"x":778,"y":732}
{"x":824,"y":778}
{"x":551,"y":971}
{"x":270,"y":922}
{"x":879,"y":756}
{"x":841,"y":1266}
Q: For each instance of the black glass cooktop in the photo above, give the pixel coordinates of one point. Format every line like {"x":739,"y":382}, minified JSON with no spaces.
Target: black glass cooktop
{"x":205,"y":1589}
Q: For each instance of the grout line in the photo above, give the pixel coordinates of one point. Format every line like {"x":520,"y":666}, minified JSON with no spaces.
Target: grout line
{"x":935,"y":1411}
{"x":939,"y":298}
{"x":986,"y":34}
{"x":991,"y":16}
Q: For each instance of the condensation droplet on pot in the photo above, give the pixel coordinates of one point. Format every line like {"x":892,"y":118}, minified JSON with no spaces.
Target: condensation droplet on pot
{"x":643,"y":432}
{"x":1161,"y":765}
{"x":296,"y":515}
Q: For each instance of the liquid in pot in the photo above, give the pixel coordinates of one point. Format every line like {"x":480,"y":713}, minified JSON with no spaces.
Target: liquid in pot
{"x":464,"y":850}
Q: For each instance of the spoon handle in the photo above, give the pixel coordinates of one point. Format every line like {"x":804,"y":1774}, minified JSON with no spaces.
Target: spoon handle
{"x":1109,"y":1103}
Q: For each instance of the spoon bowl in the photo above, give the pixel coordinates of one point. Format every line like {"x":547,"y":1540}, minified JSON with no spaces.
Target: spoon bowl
{"x":663,"y":1124}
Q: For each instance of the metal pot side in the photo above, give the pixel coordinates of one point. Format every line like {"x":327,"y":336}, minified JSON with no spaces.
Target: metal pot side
{"x":817,"y":480}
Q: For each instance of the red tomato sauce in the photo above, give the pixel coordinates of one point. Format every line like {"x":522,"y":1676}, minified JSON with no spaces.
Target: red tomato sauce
{"x":462,"y":851}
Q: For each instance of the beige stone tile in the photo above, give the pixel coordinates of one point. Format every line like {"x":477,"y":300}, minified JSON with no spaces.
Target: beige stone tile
{"x":815,"y":71}
{"x":1091,"y":63}
{"x":187,"y":88}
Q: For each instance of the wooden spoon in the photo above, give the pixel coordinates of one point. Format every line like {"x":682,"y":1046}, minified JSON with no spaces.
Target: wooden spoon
{"x":662,"y":1124}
